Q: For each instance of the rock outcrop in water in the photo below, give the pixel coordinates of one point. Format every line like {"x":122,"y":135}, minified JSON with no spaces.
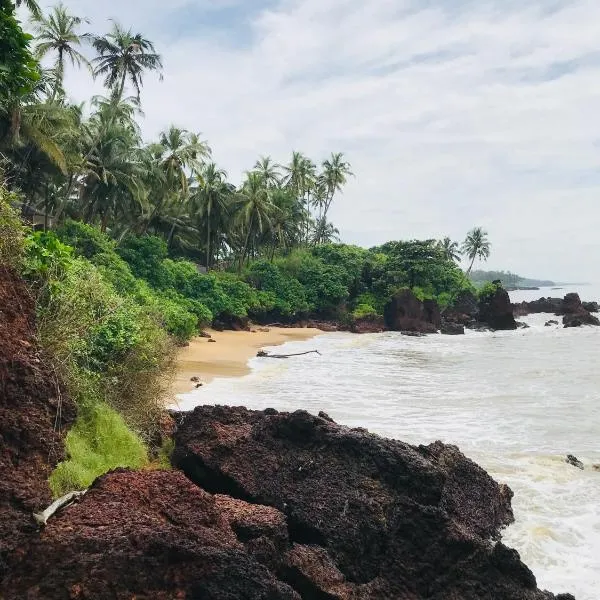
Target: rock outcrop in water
{"x":33,"y":413}
{"x":496,"y":311}
{"x":575,"y":313}
{"x":405,"y":312}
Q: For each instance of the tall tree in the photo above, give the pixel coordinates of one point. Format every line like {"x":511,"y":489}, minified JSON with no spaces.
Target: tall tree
{"x":268,"y":170}
{"x":255,"y":211}
{"x":123,"y":55}
{"x":58,"y":33}
{"x":450,"y":249}
{"x":212,"y":201}
{"x":476,"y":245}
{"x":182,"y":153}
{"x":32,"y":6}
{"x":300,"y":178}
{"x":335,"y":173}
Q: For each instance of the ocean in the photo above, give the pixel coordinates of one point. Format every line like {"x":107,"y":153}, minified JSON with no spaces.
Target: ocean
{"x":515,"y":402}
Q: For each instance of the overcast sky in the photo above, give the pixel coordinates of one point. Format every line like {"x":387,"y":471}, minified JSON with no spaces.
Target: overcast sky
{"x":453,"y":113}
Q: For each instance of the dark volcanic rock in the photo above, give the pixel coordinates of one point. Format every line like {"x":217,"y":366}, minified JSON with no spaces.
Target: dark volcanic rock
{"x":464,"y":310}
{"x":449,"y":328}
{"x":580,"y":319}
{"x":543,"y":305}
{"x":405,"y":312}
{"x":155,"y":535}
{"x":550,"y":323}
{"x":575,"y":315}
{"x":592,"y":307}
{"x":496,"y":311}
{"x":371,"y":324}
{"x":33,"y":415}
{"x":574,"y":462}
{"x":368,"y":517}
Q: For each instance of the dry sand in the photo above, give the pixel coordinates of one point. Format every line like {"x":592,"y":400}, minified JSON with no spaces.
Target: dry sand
{"x":229,"y":355}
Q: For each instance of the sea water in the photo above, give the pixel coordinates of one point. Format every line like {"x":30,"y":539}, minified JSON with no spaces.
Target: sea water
{"x":515,"y":402}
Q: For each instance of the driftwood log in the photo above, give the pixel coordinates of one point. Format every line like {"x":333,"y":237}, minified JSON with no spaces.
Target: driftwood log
{"x":263,"y":354}
{"x":68,"y":499}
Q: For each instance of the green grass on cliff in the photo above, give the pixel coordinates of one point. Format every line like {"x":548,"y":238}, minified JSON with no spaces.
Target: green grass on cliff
{"x":99,"y":442}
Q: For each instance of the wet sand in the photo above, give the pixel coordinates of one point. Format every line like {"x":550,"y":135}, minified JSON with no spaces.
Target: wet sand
{"x":229,"y":355}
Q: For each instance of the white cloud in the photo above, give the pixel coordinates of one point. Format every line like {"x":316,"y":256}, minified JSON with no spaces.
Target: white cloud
{"x":453,"y":115}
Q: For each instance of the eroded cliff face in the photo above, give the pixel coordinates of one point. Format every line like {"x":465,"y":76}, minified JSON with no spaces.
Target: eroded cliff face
{"x":33,"y":417}
{"x":261,"y":506}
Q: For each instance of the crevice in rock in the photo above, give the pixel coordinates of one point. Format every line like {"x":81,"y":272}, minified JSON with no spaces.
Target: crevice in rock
{"x":213,"y":480}
{"x":302,"y":533}
{"x":303,"y":585}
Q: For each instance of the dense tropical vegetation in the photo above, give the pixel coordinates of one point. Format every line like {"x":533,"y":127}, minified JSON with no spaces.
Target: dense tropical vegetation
{"x":137,"y":245}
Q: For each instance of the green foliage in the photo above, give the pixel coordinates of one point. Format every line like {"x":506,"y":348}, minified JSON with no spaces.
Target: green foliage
{"x":18,"y":69}
{"x":325,"y":285}
{"x":98,"y":442}
{"x":288,"y":298}
{"x":363,"y":310}
{"x":164,"y":454}
{"x":144,"y":255}
{"x":12,"y":231}
{"x":487,"y":290}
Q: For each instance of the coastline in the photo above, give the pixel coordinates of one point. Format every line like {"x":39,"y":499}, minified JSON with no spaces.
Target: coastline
{"x":228,"y":356}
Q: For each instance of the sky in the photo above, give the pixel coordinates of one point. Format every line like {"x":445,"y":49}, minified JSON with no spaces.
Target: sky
{"x":453,"y":113}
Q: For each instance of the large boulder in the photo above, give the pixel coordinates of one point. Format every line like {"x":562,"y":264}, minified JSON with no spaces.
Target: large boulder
{"x":580,"y":319}
{"x":451,"y":328}
{"x":367,"y":517}
{"x":463,"y":311}
{"x":592,"y":307}
{"x":155,"y":535}
{"x":575,"y":314}
{"x":496,"y":311}
{"x":405,"y":312}
{"x":34,"y":412}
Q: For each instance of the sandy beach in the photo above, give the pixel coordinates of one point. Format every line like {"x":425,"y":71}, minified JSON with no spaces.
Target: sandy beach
{"x":229,"y":355}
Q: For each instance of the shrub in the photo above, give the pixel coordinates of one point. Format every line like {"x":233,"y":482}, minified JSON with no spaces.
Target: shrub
{"x":98,"y":442}
{"x":144,"y":255}
{"x":12,"y":231}
{"x":282,"y":294}
{"x":363,"y":311}
{"x":487,"y":290}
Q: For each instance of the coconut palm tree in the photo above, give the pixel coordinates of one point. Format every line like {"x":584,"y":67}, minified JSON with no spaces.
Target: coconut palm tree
{"x":58,"y":33}
{"x":450,"y":249}
{"x":181,"y":154}
{"x":31,"y":5}
{"x":476,"y":245}
{"x":123,"y":55}
{"x":255,"y":211}
{"x":212,"y":203}
{"x":268,"y":169}
{"x":335,"y":173}
{"x":300,"y":177}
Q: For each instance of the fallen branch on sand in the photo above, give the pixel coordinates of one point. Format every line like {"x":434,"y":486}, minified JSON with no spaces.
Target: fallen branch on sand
{"x":263,"y":354}
{"x":42,"y":518}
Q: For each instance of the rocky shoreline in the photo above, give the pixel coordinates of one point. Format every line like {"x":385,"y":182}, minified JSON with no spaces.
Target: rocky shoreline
{"x":260,"y":505}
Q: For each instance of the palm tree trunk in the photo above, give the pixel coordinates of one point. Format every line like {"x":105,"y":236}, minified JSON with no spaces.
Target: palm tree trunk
{"x":470,"y":266}
{"x":171,"y":235}
{"x":122,"y":86}
{"x":207,"y":245}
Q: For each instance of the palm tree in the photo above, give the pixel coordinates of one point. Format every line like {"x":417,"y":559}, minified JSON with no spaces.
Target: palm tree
{"x":32,"y":6}
{"x":122,"y":56}
{"x":268,"y":170}
{"x":181,"y":153}
{"x":476,"y":245}
{"x":301,"y":178}
{"x":450,"y":249}
{"x":255,"y":211}
{"x":212,"y":200}
{"x":335,"y":173}
{"x":325,"y":232}
{"x":58,"y":33}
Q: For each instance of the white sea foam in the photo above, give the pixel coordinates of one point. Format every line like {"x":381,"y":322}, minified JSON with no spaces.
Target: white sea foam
{"x":516,"y":402}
